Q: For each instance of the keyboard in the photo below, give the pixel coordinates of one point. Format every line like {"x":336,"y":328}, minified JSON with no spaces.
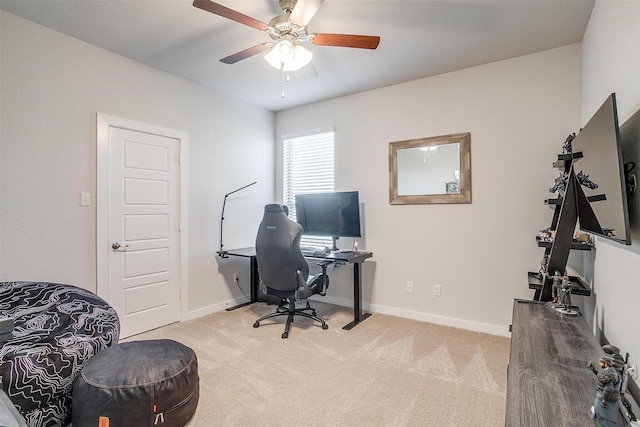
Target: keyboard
{"x":311,"y":251}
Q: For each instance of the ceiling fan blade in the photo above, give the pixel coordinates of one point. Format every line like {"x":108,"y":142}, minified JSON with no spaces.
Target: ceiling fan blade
{"x":247,"y":53}
{"x":309,"y":72}
{"x":225,"y":12}
{"x":346,"y":40}
{"x":305,"y":10}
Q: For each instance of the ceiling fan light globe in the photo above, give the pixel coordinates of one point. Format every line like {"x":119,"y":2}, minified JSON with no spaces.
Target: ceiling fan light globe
{"x":285,"y":49}
{"x":297,"y":58}
{"x":281,"y":53}
{"x":301,"y":57}
{"x":273,"y":58}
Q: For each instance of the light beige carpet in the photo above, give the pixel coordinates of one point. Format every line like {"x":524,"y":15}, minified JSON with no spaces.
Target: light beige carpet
{"x":387,"y":371}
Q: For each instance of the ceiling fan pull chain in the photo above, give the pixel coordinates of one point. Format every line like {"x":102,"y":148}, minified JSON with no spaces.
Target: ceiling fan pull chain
{"x":282,"y":79}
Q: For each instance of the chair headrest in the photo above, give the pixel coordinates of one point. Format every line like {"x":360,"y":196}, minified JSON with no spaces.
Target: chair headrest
{"x":275,"y":208}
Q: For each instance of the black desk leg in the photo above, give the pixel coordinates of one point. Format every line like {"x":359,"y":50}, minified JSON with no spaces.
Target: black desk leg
{"x":358,"y":315}
{"x":254,"y":278}
{"x":253,"y":267}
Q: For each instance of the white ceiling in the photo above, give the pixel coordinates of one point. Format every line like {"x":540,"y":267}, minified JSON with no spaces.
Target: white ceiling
{"x":419,"y":38}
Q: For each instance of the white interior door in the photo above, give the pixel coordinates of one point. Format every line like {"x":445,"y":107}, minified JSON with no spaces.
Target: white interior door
{"x":143,"y":254}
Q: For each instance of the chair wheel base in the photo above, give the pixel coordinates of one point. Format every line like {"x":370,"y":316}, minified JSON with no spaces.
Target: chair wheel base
{"x":291,"y":312}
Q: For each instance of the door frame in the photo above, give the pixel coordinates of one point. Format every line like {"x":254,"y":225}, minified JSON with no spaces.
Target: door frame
{"x":103,"y":123}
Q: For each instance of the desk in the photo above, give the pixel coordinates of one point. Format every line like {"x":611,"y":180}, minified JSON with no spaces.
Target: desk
{"x":253,"y":271}
{"x":355,"y":258}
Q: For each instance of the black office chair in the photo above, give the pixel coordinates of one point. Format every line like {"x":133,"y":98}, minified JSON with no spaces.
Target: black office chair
{"x":283,"y":269}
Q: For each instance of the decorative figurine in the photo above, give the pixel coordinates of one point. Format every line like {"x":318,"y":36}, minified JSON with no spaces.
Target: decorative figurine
{"x":585,"y":181}
{"x":555,"y":287}
{"x":582,"y":237}
{"x":607,"y":408}
{"x":560,"y":184}
{"x":566,"y":145}
{"x":565,"y":293}
{"x":561,"y":295}
{"x":543,"y":267}
{"x":623,"y":370}
{"x":546,"y":234}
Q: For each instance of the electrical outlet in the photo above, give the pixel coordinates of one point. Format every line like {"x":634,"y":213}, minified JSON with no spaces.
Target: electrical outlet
{"x":409,"y":287}
{"x":436,"y":290}
{"x":236,"y":277}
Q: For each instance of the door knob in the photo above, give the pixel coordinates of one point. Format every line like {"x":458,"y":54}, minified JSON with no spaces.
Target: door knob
{"x":117,"y":246}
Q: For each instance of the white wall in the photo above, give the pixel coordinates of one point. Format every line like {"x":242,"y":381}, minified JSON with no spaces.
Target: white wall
{"x":52,"y":88}
{"x":611,"y":63}
{"x":519,"y":112}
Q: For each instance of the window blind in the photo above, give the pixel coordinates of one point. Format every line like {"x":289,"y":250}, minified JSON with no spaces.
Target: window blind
{"x":308,"y":167}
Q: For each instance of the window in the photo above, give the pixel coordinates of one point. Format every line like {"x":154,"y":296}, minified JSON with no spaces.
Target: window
{"x":307,"y":168}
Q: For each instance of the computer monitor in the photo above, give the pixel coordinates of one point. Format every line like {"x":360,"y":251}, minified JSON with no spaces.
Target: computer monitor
{"x":334,"y":215}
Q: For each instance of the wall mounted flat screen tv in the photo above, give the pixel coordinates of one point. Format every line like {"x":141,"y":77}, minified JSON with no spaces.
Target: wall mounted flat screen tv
{"x":335,"y":214}
{"x":599,"y":142}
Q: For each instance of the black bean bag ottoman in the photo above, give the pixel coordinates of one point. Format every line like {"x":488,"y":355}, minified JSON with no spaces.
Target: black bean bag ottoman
{"x":57,"y":329}
{"x":139,"y":383}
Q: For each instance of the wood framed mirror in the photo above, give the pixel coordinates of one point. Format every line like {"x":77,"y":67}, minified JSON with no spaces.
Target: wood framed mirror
{"x":430,"y":170}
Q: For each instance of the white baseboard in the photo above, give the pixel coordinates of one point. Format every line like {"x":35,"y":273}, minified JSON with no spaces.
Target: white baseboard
{"x":210,"y":309}
{"x":423,"y":317}
{"x":444,"y":321}
{"x":373,"y":308}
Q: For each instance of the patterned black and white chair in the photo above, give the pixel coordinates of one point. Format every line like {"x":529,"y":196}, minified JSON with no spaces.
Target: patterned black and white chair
{"x":57,"y":329}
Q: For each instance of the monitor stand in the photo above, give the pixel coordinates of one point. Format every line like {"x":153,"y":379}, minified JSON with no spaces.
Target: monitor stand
{"x":334,"y":248}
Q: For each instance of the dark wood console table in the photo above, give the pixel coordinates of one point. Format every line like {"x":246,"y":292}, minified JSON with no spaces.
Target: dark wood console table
{"x":548,"y":382}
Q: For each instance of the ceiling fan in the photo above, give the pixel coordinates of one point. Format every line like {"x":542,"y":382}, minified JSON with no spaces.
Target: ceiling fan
{"x":287,"y":32}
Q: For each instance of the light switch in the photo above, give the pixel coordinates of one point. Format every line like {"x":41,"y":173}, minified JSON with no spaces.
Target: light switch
{"x":85,"y":199}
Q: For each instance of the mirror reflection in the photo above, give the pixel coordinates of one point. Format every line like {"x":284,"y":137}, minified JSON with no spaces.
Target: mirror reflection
{"x":430,"y":170}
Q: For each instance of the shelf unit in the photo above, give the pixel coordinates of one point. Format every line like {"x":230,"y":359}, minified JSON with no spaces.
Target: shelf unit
{"x":574,"y":205}
{"x":574,"y":245}
{"x":578,"y":285}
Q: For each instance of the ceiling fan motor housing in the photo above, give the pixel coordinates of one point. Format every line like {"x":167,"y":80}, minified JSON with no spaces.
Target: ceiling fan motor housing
{"x":281,"y":26}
